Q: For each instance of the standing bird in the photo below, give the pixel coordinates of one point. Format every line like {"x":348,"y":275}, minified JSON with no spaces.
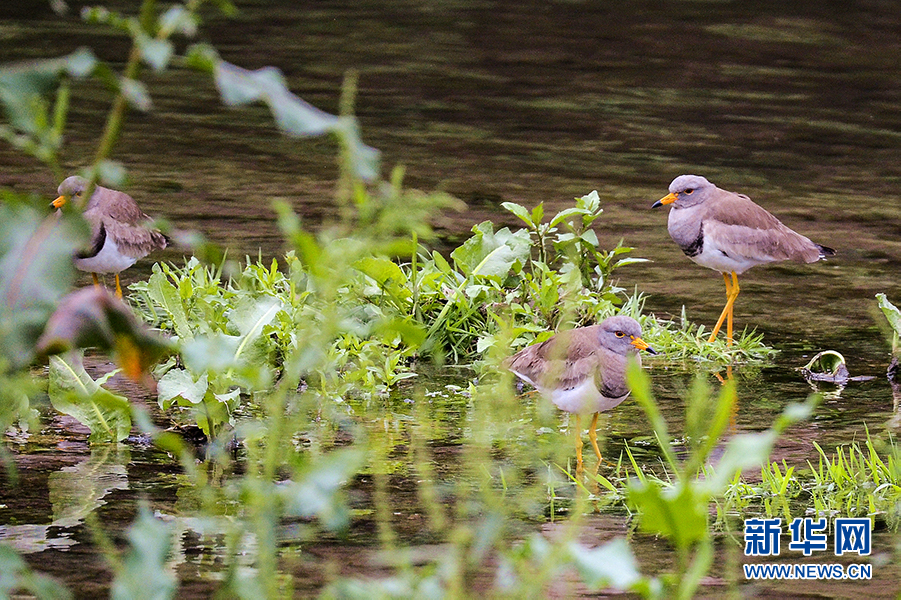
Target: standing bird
{"x":119,"y":232}
{"x":727,"y":232}
{"x":582,"y":370}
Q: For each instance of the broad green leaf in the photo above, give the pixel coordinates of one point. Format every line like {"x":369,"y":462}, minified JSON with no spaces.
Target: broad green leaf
{"x":180,"y":383}
{"x":74,"y":393}
{"x":538,"y":213}
{"x":609,"y":565}
{"x":678,"y":513}
{"x":441,"y":263}
{"x":412,"y":334}
{"x":521,"y":212}
{"x":589,"y":237}
{"x":239,"y":86}
{"x":214,"y":352}
{"x":743,"y":451}
{"x":566,"y":214}
{"x":891,"y":312}
{"x":250,"y":316}
{"x":591,"y":202}
{"x":212,"y":414}
{"x":492,"y":254}
{"x":293,"y":115}
{"x":145,"y":572}
{"x":165,"y":295}
{"x":385,"y":272}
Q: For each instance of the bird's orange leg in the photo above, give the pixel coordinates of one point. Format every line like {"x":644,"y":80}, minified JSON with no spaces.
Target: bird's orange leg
{"x":593,"y":436}
{"x":732,"y":290}
{"x":119,"y":294}
{"x":96,"y":279}
{"x":578,"y":446}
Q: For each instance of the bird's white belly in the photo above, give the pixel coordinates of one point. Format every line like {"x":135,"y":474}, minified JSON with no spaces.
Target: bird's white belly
{"x":584,"y":398}
{"x":108,"y":260}
{"x":713,"y":257}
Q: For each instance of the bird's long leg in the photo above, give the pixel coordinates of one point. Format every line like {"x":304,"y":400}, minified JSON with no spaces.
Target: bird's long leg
{"x":732,"y":290}
{"x":96,"y":279}
{"x":578,"y":446}
{"x":733,"y":294}
{"x":118,"y":288}
{"x":593,"y":436}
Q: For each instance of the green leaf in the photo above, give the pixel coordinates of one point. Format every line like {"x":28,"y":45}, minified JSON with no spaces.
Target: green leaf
{"x":145,"y":572}
{"x":203,"y":57}
{"x":250,"y":316}
{"x":522,"y":213}
{"x":441,"y":263}
{"x":179,"y":383}
{"x":492,"y":254}
{"x":293,"y":115}
{"x":743,"y":451}
{"x":590,"y":202}
{"x":610,"y":565}
{"x":566,"y":214}
{"x":136,"y":93}
{"x":166,"y":296}
{"x":678,"y":513}
{"x":538,"y":214}
{"x":891,"y":312}
{"x":177,"y":19}
{"x":315,"y":494}
{"x":16,"y":577}
{"x":215,"y":352}
{"x":74,"y":393}
{"x":156,"y":52}
{"x":385,"y":272}
{"x":23,"y":86}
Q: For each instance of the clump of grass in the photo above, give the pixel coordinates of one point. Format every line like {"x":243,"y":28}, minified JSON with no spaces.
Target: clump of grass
{"x":854,"y":481}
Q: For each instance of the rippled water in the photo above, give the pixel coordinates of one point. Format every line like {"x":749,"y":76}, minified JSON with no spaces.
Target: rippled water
{"x":795,"y":105}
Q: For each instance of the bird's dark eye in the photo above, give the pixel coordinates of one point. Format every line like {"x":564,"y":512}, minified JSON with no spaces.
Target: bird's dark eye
{"x":619,"y":334}
{"x":689,"y":191}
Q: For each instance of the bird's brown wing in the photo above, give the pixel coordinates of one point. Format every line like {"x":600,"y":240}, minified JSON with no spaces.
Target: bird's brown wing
{"x":562,"y":361}
{"x":752,"y":232}
{"x":118,"y":206}
{"x":136,"y":241}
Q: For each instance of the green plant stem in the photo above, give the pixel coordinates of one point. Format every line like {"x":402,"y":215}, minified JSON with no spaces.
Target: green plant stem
{"x":117,"y":113}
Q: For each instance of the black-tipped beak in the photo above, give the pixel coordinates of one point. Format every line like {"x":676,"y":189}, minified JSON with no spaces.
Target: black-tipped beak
{"x":668,"y":199}
{"x":642,"y":345}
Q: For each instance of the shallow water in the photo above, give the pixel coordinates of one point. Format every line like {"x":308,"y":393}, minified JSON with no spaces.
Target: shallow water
{"x":796,"y":106}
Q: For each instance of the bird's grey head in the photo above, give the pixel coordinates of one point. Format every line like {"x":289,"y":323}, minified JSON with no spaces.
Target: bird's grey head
{"x":72,"y":186}
{"x":622,"y":335}
{"x":688,"y":190}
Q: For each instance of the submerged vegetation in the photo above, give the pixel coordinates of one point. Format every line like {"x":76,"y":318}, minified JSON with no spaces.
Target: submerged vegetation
{"x":303,"y":375}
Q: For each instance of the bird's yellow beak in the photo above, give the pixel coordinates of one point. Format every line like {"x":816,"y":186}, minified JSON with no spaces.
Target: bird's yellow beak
{"x":668,"y":199}
{"x":642,"y":345}
{"x":58,"y":203}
